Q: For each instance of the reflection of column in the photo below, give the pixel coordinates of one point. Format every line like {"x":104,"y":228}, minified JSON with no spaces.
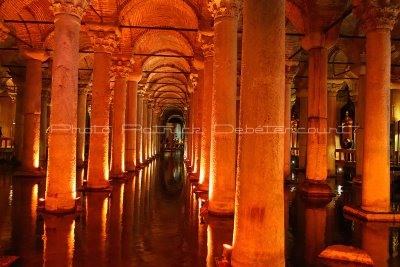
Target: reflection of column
{"x":378,"y":22}
{"x":98,"y":165}
{"x":259,"y":213}
{"x":139,"y":132}
{"x":208,"y":52}
{"x":223,"y":139}
{"x":80,"y":146}
{"x":121,"y":70}
{"x":32,"y":108}
{"x":61,"y":166}
{"x":131,"y":118}
{"x":115,"y":223}
{"x":332,"y":123}
{"x":59,"y":238}
{"x":291,"y":70}
{"x":219,"y":232}
{"x":96,"y":230}
{"x":44,"y":124}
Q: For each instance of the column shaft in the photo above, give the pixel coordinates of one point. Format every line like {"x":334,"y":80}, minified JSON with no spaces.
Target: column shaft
{"x":131,"y":119}
{"x":259,"y":209}
{"x":332,"y":121}
{"x":145,"y":126}
{"x":198,"y":121}
{"x":223,"y":139}
{"x":287,"y":121}
{"x":80,"y":150}
{"x":139,"y":132}
{"x":98,"y":165}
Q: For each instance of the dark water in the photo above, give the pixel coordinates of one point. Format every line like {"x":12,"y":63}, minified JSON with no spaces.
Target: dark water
{"x":152,"y":219}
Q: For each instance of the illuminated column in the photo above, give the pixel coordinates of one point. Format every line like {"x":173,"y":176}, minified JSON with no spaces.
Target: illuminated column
{"x":193,"y":124}
{"x":302,"y":94}
{"x":332,"y":123}
{"x":291,"y":69}
{"x":198,"y":121}
{"x":139,"y":132}
{"x":104,"y":42}
{"x":259,"y":209}
{"x":149,"y":126}
{"x":121,"y":69}
{"x":377,"y":21}
{"x":223,"y":137}
{"x":32,"y":108}
{"x":61,"y":165}
{"x":144,"y":130}
{"x":189,"y":135}
{"x":208,"y":52}
{"x":131,"y":119}
{"x":317,"y":43}
{"x":44,"y":124}
{"x":82,"y":110}
{"x":155,"y":138}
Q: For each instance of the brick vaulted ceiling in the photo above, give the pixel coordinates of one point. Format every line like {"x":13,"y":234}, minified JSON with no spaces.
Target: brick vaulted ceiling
{"x":167,"y":78}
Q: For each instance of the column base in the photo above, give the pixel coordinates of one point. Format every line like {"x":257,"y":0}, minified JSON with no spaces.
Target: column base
{"x":358,"y":212}
{"x":357,"y":180}
{"x":41,"y":209}
{"x":81,"y":164}
{"x":204,"y":187}
{"x":118,"y":176}
{"x":317,"y":192}
{"x":30,"y":173}
{"x":220,"y":212}
{"x":193,"y":176}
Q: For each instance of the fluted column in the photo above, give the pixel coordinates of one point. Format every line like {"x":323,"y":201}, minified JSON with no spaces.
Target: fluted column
{"x":223,"y":138}
{"x":131,"y":118}
{"x":208,"y":52}
{"x":32,"y":109}
{"x":104,"y":42}
{"x":139,"y":132}
{"x":61,"y":165}
{"x":259,"y":231}
{"x":120,"y":69}
{"x":377,"y":21}
{"x":81,"y":133}
{"x":291,"y":69}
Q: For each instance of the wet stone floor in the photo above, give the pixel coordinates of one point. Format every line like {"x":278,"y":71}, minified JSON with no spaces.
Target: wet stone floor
{"x":153,"y":219}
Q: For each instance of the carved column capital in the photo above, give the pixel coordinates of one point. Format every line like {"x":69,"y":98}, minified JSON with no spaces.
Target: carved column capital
{"x":207,"y":43}
{"x":83,"y":90}
{"x":193,"y":81}
{"x":71,"y":7}
{"x":224,"y":8}
{"x":374,"y":15}
{"x":104,"y":38}
{"x":120,"y":68}
{"x":35,"y":54}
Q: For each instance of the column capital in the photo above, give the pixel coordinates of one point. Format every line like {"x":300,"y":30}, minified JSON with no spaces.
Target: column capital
{"x":4,"y":30}
{"x":291,"y":69}
{"x":193,"y":81}
{"x":333,"y":88}
{"x":374,"y":15}
{"x":83,"y":90}
{"x":35,"y":54}
{"x":71,"y":7}
{"x":207,"y":43}
{"x":224,"y":8}
{"x":104,"y":38}
{"x":120,"y":67}
{"x":319,"y":39}
{"x":135,"y":75}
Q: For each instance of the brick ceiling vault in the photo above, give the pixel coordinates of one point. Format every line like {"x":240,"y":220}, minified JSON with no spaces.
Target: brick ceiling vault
{"x":150,"y":28}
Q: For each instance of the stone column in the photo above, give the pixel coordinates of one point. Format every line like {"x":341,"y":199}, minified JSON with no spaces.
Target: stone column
{"x":120,"y":69}
{"x":82,"y":110}
{"x":291,"y":71}
{"x":139,"y":132}
{"x":223,"y":139}
{"x":302,"y":94}
{"x":144,"y":130}
{"x":317,"y":43}
{"x":44,"y":124}
{"x":61,"y":165}
{"x":359,"y":131}
{"x":155,"y":140}
{"x":149,"y":131}
{"x":189,"y":133}
{"x":198,"y":122}
{"x":193,"y":124}
{"x":208,"y":52}
{"x":131,"y":119}
{"x":395,"y":118}
{"x":377,"y":21}
{"x":32,"y":109}
{"x":104,"y":42}
{"x":259,"y":209}
{"x":332,"y":126}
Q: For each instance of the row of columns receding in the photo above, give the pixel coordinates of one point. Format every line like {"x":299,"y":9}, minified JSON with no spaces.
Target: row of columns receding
{"x":245,"y":178}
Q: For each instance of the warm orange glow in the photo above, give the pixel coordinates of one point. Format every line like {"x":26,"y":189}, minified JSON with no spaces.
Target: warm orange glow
{"x":35,"y":191}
